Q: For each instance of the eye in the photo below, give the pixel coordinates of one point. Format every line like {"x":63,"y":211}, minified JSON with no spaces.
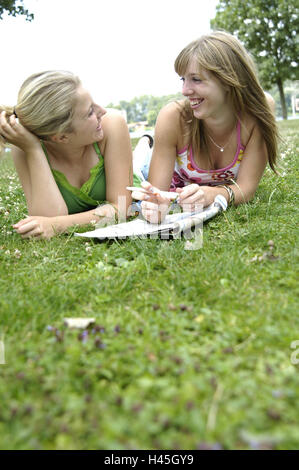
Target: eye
{"x":182,"y":79}
{"x":197,"y":80}
{"x":91,"y":111}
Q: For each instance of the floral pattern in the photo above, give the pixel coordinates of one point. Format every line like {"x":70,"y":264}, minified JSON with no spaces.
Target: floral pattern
{"x":185,"y":173}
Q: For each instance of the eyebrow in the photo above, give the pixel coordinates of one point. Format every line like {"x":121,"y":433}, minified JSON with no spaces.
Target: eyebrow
{"x":196,"y":74}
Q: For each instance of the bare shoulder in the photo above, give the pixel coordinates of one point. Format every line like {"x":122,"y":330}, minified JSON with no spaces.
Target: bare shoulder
{"x":115,"y":129}
{"x":270,"y":101}
{"x":172,"y":112}
{"x":113,"y":120}
{"x":116,"y":133}
{"x":249,"y":129}
{"x":249,"y":123}
{"x":168,"y":125}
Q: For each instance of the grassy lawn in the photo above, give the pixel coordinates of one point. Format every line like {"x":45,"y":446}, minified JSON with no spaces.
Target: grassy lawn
{"x":191,"y":349}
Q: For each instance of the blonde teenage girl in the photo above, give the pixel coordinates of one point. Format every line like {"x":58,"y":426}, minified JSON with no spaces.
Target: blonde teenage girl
{"x":73,"y":159}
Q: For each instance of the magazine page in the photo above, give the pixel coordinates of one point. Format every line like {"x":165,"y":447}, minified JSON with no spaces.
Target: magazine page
{"x":173,"y":223}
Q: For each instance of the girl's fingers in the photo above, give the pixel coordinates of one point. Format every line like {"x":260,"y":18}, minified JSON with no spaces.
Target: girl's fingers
{"x":140,"y":196}
{"x":2,"y":118}
{"x":195,"y":199}
{"x":30,"y":229}
{"x":13,"y":121}
{"x":32,"y":234}
{"x":148,"y":212}
{"x":10,"y":127}
{"x":153,"y":206}
{"x":147,"y":196}
{"x":35,"y":233}
{"x":22,"y":222}
{"x":150,"y":188}
{"x":188,"y":191}
{"x":6,"y":128}
{"x":27,"y":227}
{"x":192,"y":198}
{"x":151,"y":216}
{"x":152,"y":194}
{"x":162,"y":199}
{"x":146,"y":185}
{"x":191,"y":195}
{"x":148,"y":205}
{"x":192,"y":207}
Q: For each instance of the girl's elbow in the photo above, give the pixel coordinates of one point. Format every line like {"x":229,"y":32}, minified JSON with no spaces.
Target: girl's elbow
{"x":244,"y":195}
{"x":249,"y":196}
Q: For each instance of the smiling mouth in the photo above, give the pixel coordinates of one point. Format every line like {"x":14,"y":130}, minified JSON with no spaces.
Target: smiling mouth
{"x":196,"y":103}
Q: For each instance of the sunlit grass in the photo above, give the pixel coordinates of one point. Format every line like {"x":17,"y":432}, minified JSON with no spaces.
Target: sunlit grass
{"x":192,"y":348}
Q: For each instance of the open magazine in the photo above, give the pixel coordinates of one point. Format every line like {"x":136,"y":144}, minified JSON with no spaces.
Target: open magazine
{"x":173,"y":224}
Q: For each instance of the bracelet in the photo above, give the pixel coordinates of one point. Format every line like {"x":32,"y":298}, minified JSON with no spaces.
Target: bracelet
{"x":231,"y":194}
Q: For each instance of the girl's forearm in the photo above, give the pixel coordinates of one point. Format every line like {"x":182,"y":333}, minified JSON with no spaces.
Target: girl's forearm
{"x":62,"y":223}
{"x":241,"y":194}
{"x":45,"y":198}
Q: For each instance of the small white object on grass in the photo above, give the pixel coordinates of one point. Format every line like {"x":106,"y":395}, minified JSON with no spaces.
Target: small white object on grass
{"x":81,"y":323}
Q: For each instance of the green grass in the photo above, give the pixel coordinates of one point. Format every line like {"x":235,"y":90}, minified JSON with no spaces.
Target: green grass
{"x":195,"y":346}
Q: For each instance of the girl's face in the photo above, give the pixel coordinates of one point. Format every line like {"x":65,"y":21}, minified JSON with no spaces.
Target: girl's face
{"x":205,"y":93}
{"x":87,"y":119}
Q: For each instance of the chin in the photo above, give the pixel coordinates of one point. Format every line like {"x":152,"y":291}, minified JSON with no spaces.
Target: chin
{"x":100,"y":135}
{"x":198,"y":114}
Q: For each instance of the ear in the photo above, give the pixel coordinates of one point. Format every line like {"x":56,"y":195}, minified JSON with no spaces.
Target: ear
{"x":60,"y":138}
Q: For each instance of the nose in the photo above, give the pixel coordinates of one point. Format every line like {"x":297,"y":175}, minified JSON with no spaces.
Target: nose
{"x":187,"y":89}
{"x":100,"y":111}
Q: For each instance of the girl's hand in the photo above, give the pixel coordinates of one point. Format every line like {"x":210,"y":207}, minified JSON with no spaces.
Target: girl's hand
{"x":107,"y":215}
{"x":154,"y":203}
{"x":16,"y":134}
{"x":194,"y":197}
{"x":37,"y":227}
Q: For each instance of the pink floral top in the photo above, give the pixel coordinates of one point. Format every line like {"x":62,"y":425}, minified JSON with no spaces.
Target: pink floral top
{"x":186,"y":171}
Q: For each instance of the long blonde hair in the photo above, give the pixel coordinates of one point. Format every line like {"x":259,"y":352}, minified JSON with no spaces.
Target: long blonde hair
{"x":222,"y":55}
{"x":45,"y":104}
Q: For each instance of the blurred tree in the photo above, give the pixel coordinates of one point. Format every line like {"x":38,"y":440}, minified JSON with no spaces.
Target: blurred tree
{"x":13,"y":7}
{"x":268,"y":29}
{"x":151,"y":117}
{"x":144,"y":108}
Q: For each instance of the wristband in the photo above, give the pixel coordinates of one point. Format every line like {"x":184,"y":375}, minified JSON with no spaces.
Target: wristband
{"x":231,"y":194}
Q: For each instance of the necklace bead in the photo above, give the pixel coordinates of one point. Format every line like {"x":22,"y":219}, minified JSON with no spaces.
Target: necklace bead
{"x":219,"y":146}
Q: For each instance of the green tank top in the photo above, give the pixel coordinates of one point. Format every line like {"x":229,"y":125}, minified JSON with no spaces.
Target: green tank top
{"x":92,"y":192}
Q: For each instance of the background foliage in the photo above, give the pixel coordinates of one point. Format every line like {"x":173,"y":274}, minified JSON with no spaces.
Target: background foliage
{"x":144,"y":108}
{"x":269,"y":30}
{"x":14,"y":8}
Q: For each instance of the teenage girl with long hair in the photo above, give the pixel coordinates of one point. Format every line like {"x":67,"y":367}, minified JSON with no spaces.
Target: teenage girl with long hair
{"x":219,"y":139}
{"x":73,"y":159}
